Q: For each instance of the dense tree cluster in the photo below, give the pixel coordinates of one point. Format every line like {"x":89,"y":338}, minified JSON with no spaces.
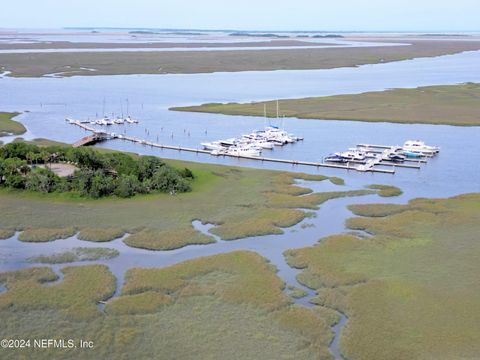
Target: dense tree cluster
{"x":98,"y":174}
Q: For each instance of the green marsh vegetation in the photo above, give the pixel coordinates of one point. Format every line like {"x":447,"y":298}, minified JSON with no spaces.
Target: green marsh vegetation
{"x":386,"y":190}
{"x":168,"y":239}
{"x":191,"y":62}
{"x":239,"y":201}
{"x":8,"y":126}
{"x":76,"y":254}
{"x":223,"y":306}
{"x":447,"y":105}
{"x":100,"y":235}
{"x":297,"y":293}
{"x":411,"y":291}
{"x":40,"y":234}
{"x":6,"y":233}
{"x":75,"y":296}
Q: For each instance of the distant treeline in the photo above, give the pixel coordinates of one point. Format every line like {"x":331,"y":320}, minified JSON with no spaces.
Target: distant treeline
{"x":98,"y":174}
{"x":259,"y":35}
{"x":321,"y":36}
{"x":150,"y":32}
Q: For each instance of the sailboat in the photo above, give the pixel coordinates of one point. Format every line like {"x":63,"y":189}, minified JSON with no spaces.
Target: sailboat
{"x":129,"y":119}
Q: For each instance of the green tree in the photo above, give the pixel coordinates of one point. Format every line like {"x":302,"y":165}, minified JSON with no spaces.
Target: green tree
{"x":41,"y":180}
{"x":167,"y":179}
{"x":147,"y":166}
{"x":127,"y":186}
{"x":17,"y":149}
{"x":101,"y":185}
{"x":14,"y":171}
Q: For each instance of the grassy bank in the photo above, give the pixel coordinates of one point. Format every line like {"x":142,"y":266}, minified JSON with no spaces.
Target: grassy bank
{"x":242,"y":202}
{"x":189,"y":62}
{"x":447,"y":105}
{"x":219,"y":307}
{"x":411,"y":291}
{"x":9,"y":126}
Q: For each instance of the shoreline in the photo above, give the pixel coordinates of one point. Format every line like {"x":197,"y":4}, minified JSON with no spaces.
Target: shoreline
{"x":10,"y":127}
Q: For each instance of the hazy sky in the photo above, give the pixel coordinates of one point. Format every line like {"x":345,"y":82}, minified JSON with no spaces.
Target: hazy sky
{"x":407,"y":15}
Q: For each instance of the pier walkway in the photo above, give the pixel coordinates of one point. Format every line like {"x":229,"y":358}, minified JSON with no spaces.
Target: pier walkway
{"x":100,"y":135}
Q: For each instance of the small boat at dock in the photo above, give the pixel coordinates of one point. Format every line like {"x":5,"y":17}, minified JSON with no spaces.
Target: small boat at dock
{"x":336,"y":158}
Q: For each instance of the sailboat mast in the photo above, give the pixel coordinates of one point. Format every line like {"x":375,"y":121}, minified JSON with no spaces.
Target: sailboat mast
{"x":264,"y":115}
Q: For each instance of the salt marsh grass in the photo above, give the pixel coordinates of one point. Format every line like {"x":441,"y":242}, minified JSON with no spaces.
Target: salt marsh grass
{"x":411,"y":291}
{"x":224,"y":306}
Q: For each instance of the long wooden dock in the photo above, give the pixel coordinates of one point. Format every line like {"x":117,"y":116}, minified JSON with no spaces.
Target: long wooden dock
{"x":105,"y":135}
{"x":257,"y":158}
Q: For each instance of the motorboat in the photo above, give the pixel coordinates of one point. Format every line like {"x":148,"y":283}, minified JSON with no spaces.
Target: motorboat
{"x":264,"y":144}
{"x":228,"y":142}
{"x":218,"y":152}
{"x":243,"y":151}
{"x":412,"y":154}
{"x":337,"y":158}
{"x":214,"y":145}
{"x":355,"y":155}
{"x":420,"y":146}
{"x":389,"y":155}
{"x":277,"y":142}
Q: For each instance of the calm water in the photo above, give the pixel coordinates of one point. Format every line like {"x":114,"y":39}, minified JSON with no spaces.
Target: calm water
{"x":456,"y":170}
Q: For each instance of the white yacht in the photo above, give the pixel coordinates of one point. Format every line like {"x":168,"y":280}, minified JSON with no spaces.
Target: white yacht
{"x":243,"y":151}
{"x":420,"y":146}
{"x":218,"y":152}
{"x":228,"y":142}
{"x":214,"y":145}
{"x":354,"y":155}
{"x":264,"y":144}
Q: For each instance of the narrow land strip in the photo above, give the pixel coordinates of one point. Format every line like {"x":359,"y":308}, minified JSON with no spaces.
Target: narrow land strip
{"x":445,"y":105}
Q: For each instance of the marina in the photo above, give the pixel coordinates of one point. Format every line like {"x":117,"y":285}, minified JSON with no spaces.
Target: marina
{"x":369,"y":163}
{"x":368,"y":155}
